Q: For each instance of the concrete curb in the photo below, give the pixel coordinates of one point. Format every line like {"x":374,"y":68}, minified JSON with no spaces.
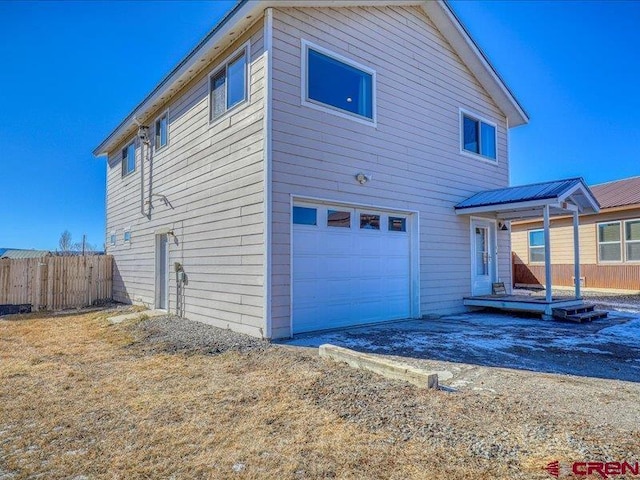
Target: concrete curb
{"x":383,"y":366}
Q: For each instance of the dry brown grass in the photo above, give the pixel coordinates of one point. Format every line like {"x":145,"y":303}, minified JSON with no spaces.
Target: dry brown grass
{"x":78,"y":398}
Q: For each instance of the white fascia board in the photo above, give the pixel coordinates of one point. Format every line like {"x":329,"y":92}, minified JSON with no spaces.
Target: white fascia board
{"x":502,"y":207}
{"x":584,"y":190}
{"x":455,"y":33}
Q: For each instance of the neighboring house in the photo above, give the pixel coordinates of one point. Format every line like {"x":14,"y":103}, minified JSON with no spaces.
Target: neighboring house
{"x":21,"y":254}
{"x":299,"y":169}
{"x":609,"y":243}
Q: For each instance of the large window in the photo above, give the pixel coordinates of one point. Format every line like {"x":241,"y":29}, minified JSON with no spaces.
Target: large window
{"x":338,"y":83}
{"x":478,"y":136}
{"x":609,"y":242}
{"x":228,"y":85}
{"x":536,"y":246}
{"x":128,"y":159}
{"x":632,"y":240}
{"x":162,"y":131}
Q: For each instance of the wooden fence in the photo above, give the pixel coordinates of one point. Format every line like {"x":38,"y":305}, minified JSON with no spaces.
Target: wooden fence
{"x":55,"y":283}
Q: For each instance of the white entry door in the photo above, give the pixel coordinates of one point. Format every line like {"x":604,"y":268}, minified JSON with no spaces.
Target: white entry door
{"x":350,"y":266}
{"x":483,"y":256}
{"x":162,"y":271}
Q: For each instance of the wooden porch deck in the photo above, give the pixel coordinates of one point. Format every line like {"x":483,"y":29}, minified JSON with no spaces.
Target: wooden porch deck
{"x":523,"y":303}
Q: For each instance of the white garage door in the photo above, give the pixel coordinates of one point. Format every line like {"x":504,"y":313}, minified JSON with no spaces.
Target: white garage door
{"x":350,"y":266}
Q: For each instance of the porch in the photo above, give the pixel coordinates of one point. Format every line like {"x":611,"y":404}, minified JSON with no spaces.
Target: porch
{"x":570,"y":197}
{"x":524,"y":303}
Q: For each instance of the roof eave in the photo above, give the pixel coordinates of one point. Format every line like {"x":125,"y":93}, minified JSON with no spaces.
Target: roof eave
{"x":471,"y":54}
{"x":439,"y":11}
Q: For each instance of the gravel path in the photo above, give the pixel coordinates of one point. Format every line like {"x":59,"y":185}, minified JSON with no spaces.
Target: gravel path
{"x":172,"y":334}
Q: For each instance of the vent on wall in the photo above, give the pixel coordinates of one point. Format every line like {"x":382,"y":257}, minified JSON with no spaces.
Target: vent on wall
{"x":582,"y":281}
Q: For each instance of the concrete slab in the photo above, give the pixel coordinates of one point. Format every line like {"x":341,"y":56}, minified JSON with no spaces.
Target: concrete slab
{"x":137,"y":315}
{"x":607,"y":348}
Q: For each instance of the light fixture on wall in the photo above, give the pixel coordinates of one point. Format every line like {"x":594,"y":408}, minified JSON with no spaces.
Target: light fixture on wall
{"x":362,"y":178}
{"x":503,"y":226}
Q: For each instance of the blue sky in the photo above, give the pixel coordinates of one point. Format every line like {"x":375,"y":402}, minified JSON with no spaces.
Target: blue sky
{"x":72,"y":70}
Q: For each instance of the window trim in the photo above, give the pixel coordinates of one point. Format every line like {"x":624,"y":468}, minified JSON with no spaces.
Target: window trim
{"x":124,"y":235}
{"x":224,"y":64}
{"x":113,"y":238}
{"x":122,"y":159}
{"x":323,"y":107}
{"x":474,"y":116}
{"x":624,"y":238}
{"x":619,"y":242}
{"x":529,"y":247}
{"x":155,"y":125}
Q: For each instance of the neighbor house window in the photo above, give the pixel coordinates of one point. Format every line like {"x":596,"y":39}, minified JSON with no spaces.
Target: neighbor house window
{"x":305,"y":216}
{"x":338,"y":83}
{"x":162,"y":131}
{"x":609,"y":242}
{"x":127,"y":236}
{"x":112,"y":238}
{"x":536,"y":246}
{"x":228,"y":85}
{"x":478,"y":136}
{"x":128,"y":159}
{"x":632,"y":240}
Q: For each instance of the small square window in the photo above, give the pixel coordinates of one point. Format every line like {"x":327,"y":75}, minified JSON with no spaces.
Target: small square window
{"x":397,"y":224}
{"x":128,"y":159}
{"x":369,"y":222}
{"x":127,"y":236}
{"x":337,"y":218}
{"x":305,"y":216}
{"x":162,"y":131}
{"x":478,"y":137}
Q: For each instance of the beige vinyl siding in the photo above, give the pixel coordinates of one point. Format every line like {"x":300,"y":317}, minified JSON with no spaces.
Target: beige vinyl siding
{"x":413,"y":155}
{"x":562,"y":236}
{"x":212,"y":177}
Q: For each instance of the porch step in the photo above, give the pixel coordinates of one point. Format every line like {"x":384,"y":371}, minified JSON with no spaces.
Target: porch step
{"x":584,"y":313}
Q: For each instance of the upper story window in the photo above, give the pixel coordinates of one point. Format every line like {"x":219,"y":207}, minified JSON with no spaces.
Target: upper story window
{"x":112,"y":238}
{"x":478,"y":136}
{"x":536,"y":246}
{"x":129,"y":159}
{"x":228,"y":84}
{"x":162,"y":131}
{"x":609,"y":242}
{"x":127,"y":235}
{"x":632,"y":240}
{"x":336,"y":84}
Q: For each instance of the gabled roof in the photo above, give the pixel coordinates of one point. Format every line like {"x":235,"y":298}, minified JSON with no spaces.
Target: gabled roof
{"x":618,"y":193}
{"x":16,"y":254}
{"x":522,"y":201}
{"x":246,"y":12}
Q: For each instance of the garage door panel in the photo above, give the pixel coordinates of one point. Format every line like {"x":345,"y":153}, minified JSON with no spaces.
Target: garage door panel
{"x":349,"y":276}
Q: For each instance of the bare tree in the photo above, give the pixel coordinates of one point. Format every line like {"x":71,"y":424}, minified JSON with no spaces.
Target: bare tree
{"x":64,"y":244}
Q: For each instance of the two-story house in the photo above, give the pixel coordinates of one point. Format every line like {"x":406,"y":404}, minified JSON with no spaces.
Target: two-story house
{"x":299,"y":169}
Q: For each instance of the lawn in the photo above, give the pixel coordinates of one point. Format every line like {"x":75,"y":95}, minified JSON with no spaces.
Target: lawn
{"x":81,"y":398}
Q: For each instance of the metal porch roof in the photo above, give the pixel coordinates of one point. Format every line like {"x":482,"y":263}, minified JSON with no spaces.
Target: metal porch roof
{"x":523,"y":193}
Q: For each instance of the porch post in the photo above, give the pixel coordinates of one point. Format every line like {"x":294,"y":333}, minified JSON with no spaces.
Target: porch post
{"x":547,"y":255}
{"x":576,"y":254}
